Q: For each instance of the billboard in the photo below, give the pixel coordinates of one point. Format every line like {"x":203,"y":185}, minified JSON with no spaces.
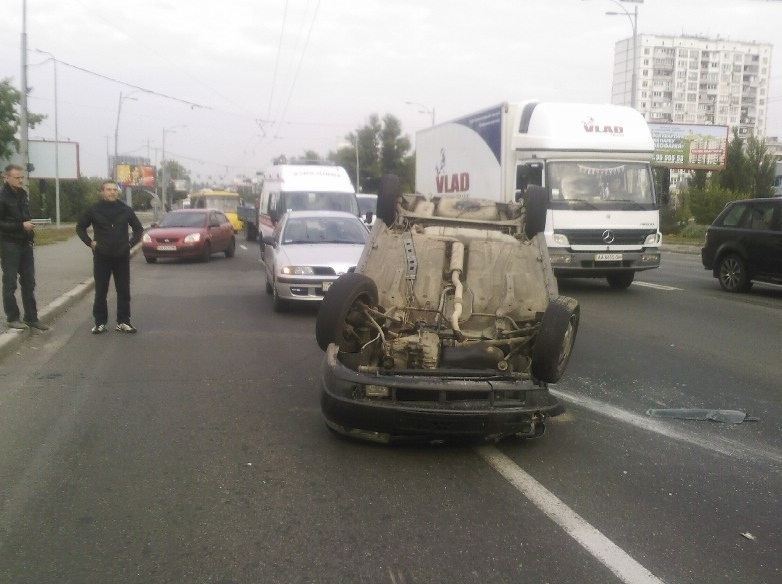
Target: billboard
{"x":42,"y":155}
{"x":135,"y":175}
{"x":689,"y":146}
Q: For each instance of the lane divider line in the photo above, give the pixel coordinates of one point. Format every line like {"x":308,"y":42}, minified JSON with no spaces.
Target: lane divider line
{"x":716,"y":444}
{"x":655,"y":286}
{"x":598,"y":545}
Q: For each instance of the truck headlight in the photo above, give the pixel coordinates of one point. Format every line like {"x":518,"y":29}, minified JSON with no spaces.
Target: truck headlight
{"x":298,"y":271}
{"x":192,"y":238}
{"x":653,"y":239}
{"x":560,"y":239}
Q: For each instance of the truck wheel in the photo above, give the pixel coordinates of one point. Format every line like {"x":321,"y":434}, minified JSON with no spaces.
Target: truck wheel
{"x":620,"y":280}
{"x":535,"y":205}
{"x":387,"y":198}
{"x":732,"y":274}
{"x":251,"y":233}
{"x":341,"y":300}
{"x":554,"y":343}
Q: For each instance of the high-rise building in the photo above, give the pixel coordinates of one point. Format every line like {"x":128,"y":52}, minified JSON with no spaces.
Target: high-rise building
{"x":697,"y":80}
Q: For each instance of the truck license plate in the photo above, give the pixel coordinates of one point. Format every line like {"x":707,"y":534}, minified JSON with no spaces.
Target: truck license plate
{"x":326,"y":286}
{"x":608,"y":257}
{"x":166,"y":248}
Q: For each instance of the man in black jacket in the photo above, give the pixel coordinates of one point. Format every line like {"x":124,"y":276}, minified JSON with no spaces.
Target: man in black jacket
{"x":110,"y":220}
{"x":16,"y":250}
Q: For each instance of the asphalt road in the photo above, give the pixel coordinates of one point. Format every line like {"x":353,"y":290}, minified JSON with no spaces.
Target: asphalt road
{"x":194,"y":451}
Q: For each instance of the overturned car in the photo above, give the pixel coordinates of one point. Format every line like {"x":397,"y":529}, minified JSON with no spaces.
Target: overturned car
{"x":451,"y":325}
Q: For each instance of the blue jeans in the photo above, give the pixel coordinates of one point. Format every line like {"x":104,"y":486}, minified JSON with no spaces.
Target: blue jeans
{"x":17,"y":262}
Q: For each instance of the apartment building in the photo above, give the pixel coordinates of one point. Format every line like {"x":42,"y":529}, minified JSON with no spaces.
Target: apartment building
{"x":697,"y":80}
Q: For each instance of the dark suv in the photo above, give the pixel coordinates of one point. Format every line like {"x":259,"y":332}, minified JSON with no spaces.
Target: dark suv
{"x":745,"y":243}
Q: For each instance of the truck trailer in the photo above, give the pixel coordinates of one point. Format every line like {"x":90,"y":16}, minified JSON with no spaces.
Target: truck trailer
{"x":594,"y":161}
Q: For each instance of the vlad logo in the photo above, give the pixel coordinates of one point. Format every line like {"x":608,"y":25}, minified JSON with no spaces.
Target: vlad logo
{"x":592,"y":127}
{"x":450,"y":183}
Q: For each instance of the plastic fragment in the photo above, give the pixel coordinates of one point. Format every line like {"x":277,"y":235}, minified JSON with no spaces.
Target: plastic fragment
{"x":749,"y":536}
{"x":726,"y":416}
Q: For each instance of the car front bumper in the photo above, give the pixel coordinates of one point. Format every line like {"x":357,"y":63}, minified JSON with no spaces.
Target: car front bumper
{"x":431,"y":408}
{"x":183,"y":250}
{"x":305,"y":289}
{"x":584,"y":263}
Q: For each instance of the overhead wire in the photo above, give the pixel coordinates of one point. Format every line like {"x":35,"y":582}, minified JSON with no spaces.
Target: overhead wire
{"x":277,"y":59}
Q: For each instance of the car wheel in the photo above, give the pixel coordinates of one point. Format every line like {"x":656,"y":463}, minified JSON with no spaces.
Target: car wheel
{"x":206,"y":255}
{"x":337,"y":313}
{"x":231,"y":249}
{"x":620,"y":280}
{"x":535,"y":206}
{"x":732,"y":274}
{"x":388,"y":196}
{"x":278,"y":304}
{"x":554,"y":343}
{"x":150,"y":260}
{"x":251,"y":233}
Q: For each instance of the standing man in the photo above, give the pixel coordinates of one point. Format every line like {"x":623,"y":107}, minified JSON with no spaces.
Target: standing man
{"x":110,"y":219}
{"x":16,"y":250}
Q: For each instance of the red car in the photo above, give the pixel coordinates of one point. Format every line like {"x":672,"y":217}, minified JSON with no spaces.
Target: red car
{"x":189,"y":233}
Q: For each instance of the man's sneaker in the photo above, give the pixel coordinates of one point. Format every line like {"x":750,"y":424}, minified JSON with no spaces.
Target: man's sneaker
{"x":98,"y":329}
{"x":37,"y":324}
{"x":17,"y":324}
{"x":125,"y":327}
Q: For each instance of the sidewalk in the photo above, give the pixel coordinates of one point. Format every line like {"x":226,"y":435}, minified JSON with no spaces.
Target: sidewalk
{"x":63,"y":275}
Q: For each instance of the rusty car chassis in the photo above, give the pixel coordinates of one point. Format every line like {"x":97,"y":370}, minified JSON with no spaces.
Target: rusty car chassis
{"x":451,"y":326}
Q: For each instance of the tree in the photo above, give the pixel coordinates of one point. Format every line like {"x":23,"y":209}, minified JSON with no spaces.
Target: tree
{"x":9,"y":118}
{"x":382,"y":149}
{"x":760,"y":168}
{"x":734,"y":177}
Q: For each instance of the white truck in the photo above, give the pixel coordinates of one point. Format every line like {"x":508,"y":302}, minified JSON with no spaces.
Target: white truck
{"x":602,"y":217}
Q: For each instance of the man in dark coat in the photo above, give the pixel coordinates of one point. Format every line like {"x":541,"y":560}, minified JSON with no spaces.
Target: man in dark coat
{"x":16,"y":250}
{"x":110,"y":219}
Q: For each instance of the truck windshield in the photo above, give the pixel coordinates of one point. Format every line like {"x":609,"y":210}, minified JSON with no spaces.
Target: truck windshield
{"x":600,"y":185}
{"x":304,"y":201}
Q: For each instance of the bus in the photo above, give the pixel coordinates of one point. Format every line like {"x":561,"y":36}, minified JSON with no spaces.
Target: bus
{"x":225,"y":201}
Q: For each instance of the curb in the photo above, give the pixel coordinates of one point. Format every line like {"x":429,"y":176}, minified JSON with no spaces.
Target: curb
{"x":13,"y":339}
{"x":681,"y":248}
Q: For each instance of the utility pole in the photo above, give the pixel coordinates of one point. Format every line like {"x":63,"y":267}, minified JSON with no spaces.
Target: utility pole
{"x":23,"y":122}
{"x":56,"y":140}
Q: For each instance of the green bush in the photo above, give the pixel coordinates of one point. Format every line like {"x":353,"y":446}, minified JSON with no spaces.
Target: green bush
{"x":706,"y":204}
{"x":694,"y":231}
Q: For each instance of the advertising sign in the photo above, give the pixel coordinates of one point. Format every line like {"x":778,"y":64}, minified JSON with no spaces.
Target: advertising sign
{"x":42,"y":155}
{"x":689,"y":146}
{"x":128,"y":175}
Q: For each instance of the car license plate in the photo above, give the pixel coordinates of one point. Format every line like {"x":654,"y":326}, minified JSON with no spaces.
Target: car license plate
{"x":166,"y":248}
{"x":326,"y":286}
{"x":608,"y":257}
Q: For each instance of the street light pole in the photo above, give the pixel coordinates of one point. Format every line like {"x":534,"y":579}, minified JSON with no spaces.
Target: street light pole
{"x":633,"y":18}
{"x":164,"y":180}
{"x":116,"y":128}
{"x":56,"y":141}
{"x":358,"y":172}
{"x":24,"y":148}
{"x":424,"y":109}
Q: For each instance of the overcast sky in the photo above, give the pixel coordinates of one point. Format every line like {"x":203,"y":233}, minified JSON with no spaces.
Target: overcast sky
{"x":317,"y":71}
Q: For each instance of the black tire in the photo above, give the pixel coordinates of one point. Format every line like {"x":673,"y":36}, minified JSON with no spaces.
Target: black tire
{"x":207,"y":253}
{"x":150,"y":260}
{"x":230,"y":251}
{"x":535,"y":205}
{"x":554,"y":343}
{"x":337,"y":305}
{"x":620,"y":280}
{"x":250,"y":232}
{"x":388,"y":197}
{"x":732,"y":274}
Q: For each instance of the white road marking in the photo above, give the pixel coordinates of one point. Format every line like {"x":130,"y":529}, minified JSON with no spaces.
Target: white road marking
{"x":244,"y":247}
{"x":597,"y":544}
{"x":656,"y":286}
{"x":714,"y":443}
